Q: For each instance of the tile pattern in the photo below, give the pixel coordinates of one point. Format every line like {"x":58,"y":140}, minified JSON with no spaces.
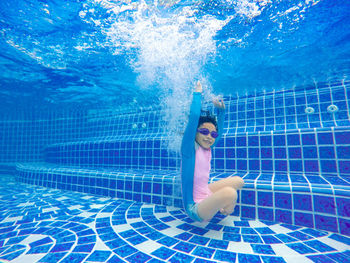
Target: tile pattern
{"x":26,"y":133}
{"x":308,"y":200}
{"x":148,"y":153}
{"x":150,"y":186}
{"x":288,"y":110}
{"x":41,"y":225}
{"x":311,"y":151}
{"x":320,"y":150}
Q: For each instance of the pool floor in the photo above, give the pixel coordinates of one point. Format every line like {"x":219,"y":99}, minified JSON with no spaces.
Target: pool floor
{"x":46,"y":225}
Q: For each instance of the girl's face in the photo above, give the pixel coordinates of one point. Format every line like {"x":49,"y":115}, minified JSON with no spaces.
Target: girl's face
{"x":205,"y":140}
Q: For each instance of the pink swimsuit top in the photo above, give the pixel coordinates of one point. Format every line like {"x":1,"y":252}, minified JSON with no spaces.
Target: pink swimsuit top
{"x":201,"y":175}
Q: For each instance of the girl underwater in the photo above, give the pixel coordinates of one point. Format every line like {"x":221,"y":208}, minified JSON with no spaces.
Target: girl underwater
{"x":201,"y":199}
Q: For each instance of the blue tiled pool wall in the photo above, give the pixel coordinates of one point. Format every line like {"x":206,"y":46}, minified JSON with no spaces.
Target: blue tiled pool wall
{"x":160,"y":187}
{"x":285,"y":110}
{"x":274,"y":111}
{"x":135,"y":154}
{"x":314,"y":147}
{"x":309,"y":151}
{"x":321,"y":150}
{"x":24,"y":136}
{"x":314,"y":205}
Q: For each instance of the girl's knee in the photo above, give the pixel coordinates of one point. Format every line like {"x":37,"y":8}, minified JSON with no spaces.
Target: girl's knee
{"x":229,"y":193}
{"x":238,"y":182}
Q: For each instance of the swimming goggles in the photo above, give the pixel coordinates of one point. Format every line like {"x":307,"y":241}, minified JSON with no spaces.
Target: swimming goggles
{"x":205,"y":131}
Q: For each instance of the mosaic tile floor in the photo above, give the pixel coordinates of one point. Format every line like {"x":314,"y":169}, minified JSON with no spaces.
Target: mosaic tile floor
{"x":46,"y":225}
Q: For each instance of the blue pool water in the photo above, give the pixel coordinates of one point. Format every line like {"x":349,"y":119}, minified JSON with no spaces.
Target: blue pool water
{"x":95,"y":97}
{"x":101,"y":53}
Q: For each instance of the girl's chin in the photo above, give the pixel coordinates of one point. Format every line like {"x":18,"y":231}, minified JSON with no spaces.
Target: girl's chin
{"x":206,"y":146}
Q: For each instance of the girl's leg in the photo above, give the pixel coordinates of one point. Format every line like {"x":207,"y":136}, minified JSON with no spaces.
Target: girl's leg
{"x":223,"y":200}
{"x":235,"y":182}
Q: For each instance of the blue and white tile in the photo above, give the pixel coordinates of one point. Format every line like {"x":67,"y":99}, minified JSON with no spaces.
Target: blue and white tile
{"x":159,"y":233}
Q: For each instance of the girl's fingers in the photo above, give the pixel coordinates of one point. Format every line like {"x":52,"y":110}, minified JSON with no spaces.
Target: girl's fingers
{"x":218,"y":103}
{"x":198,"y":87}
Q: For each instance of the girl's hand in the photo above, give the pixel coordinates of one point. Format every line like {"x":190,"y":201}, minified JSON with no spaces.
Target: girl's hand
{"x":219,"y":103}
{"x":198,"y":87}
